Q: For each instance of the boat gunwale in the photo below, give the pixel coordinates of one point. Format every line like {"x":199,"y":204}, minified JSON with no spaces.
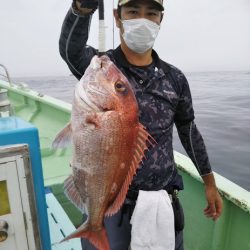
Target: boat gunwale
{"x":228,"y":189}
{"x":49,"y":100}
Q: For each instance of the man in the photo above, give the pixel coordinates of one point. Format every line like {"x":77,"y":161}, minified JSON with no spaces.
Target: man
{"x":163,"y":97}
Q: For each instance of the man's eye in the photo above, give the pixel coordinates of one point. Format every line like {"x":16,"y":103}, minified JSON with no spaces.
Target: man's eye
{"x":153,"y":14}
{"x":132,"y":12}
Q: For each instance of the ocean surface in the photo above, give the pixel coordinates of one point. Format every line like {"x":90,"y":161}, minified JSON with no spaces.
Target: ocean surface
{"x":222,"y":109}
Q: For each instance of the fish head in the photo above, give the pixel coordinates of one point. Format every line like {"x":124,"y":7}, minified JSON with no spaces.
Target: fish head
{"x":103,"y":88}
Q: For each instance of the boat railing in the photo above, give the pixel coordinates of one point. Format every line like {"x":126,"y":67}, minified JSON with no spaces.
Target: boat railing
{"x":5,"y":106}
{"x":6,"y":75}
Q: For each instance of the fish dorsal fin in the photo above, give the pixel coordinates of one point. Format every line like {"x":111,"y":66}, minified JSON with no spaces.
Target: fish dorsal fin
{"x":140,"y":147}
{"x":73,"y":195}
{"x":63,"y":138}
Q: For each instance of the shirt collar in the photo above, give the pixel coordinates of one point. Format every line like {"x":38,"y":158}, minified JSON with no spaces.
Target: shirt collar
{"x":121,"y":59}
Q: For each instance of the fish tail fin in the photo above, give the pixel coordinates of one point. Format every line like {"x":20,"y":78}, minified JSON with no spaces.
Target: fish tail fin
{"x":98,"y":239}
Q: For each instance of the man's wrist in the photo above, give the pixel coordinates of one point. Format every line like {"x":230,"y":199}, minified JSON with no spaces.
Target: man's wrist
{"x":209,"y":180}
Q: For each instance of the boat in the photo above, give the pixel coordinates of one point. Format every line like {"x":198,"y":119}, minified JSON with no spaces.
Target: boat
{"x":49,"y":115}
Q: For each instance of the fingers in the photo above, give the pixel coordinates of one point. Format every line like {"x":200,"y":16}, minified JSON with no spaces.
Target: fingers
{"x":210,"y":211}
{"x":215,"y":203}
{"x":219,"y":206}
{"x":213,"y":210}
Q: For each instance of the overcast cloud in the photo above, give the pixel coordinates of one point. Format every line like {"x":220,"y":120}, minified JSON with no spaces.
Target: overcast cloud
{"x":196,"y":35}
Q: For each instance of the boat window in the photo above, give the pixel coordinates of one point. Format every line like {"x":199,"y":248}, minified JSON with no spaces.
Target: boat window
{"x":4,"y":199}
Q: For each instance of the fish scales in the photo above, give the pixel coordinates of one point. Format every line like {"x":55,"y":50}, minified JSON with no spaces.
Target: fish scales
{"x":108,"y":145}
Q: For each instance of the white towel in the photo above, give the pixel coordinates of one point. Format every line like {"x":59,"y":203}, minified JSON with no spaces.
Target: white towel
{"x":153,"y":222}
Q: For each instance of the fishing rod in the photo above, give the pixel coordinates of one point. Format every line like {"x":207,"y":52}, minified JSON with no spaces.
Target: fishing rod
{"x":102,"y":37}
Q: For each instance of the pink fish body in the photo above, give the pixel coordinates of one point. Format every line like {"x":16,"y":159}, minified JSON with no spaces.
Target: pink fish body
{"x":108,"y":145}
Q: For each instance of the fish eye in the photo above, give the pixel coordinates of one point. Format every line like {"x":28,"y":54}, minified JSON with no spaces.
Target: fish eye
{"x":120,"y":87}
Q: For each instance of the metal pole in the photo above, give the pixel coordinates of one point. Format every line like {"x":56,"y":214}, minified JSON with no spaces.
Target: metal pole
{"x":7,"y":74}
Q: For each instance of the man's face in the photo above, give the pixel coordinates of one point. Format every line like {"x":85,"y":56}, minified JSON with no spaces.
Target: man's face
{"x":139,"y":9}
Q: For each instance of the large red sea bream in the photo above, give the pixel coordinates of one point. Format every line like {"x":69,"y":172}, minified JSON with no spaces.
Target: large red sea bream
{"x":108,"y":145}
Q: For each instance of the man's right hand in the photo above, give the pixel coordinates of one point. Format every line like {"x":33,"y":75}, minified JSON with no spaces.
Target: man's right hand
{"x":87,"y":4}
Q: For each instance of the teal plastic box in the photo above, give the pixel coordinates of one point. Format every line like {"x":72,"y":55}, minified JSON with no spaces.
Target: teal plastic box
{"x":13,"y":130}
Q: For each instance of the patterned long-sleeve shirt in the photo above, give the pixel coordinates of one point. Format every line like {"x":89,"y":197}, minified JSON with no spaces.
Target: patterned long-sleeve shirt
{"x":163,"y":97}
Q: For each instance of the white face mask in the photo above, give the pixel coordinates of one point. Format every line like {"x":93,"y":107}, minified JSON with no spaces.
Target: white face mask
{"x":140,"y":34}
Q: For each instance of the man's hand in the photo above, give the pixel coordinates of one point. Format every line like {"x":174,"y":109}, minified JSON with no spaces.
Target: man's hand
{"x":214,"y":207}
{"x":88,"y":4}
{"x":214,"y":200}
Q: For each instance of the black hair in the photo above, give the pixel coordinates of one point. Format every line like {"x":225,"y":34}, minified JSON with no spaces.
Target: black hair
{"x":119,"y":10}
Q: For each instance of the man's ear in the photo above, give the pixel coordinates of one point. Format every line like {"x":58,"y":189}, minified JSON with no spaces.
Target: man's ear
{"x":117,"y":19}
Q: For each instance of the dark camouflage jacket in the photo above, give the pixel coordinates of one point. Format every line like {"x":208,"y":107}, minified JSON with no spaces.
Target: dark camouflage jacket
{"x":164,"y":98}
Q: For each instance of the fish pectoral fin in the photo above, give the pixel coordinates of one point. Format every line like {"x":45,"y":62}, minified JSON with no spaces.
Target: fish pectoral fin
{"x":140,"y":146}
{"x":63,"y":138}
{"x":73,"y":195}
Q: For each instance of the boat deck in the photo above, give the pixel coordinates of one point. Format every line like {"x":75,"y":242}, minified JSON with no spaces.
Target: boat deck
{"x":60,"y":225}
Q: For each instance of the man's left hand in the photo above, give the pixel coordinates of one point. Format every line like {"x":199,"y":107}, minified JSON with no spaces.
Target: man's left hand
{"x":214,"y":200}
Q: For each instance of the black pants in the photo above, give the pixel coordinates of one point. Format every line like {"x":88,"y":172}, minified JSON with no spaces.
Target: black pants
{"x":119,"y":233}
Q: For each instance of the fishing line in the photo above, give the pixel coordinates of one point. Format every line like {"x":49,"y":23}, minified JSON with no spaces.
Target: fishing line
{"x":102,"y":47}
{"x":113,"y":26}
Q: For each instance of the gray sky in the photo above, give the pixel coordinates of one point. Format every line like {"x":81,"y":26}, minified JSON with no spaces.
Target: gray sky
{"x":196,"y":35}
